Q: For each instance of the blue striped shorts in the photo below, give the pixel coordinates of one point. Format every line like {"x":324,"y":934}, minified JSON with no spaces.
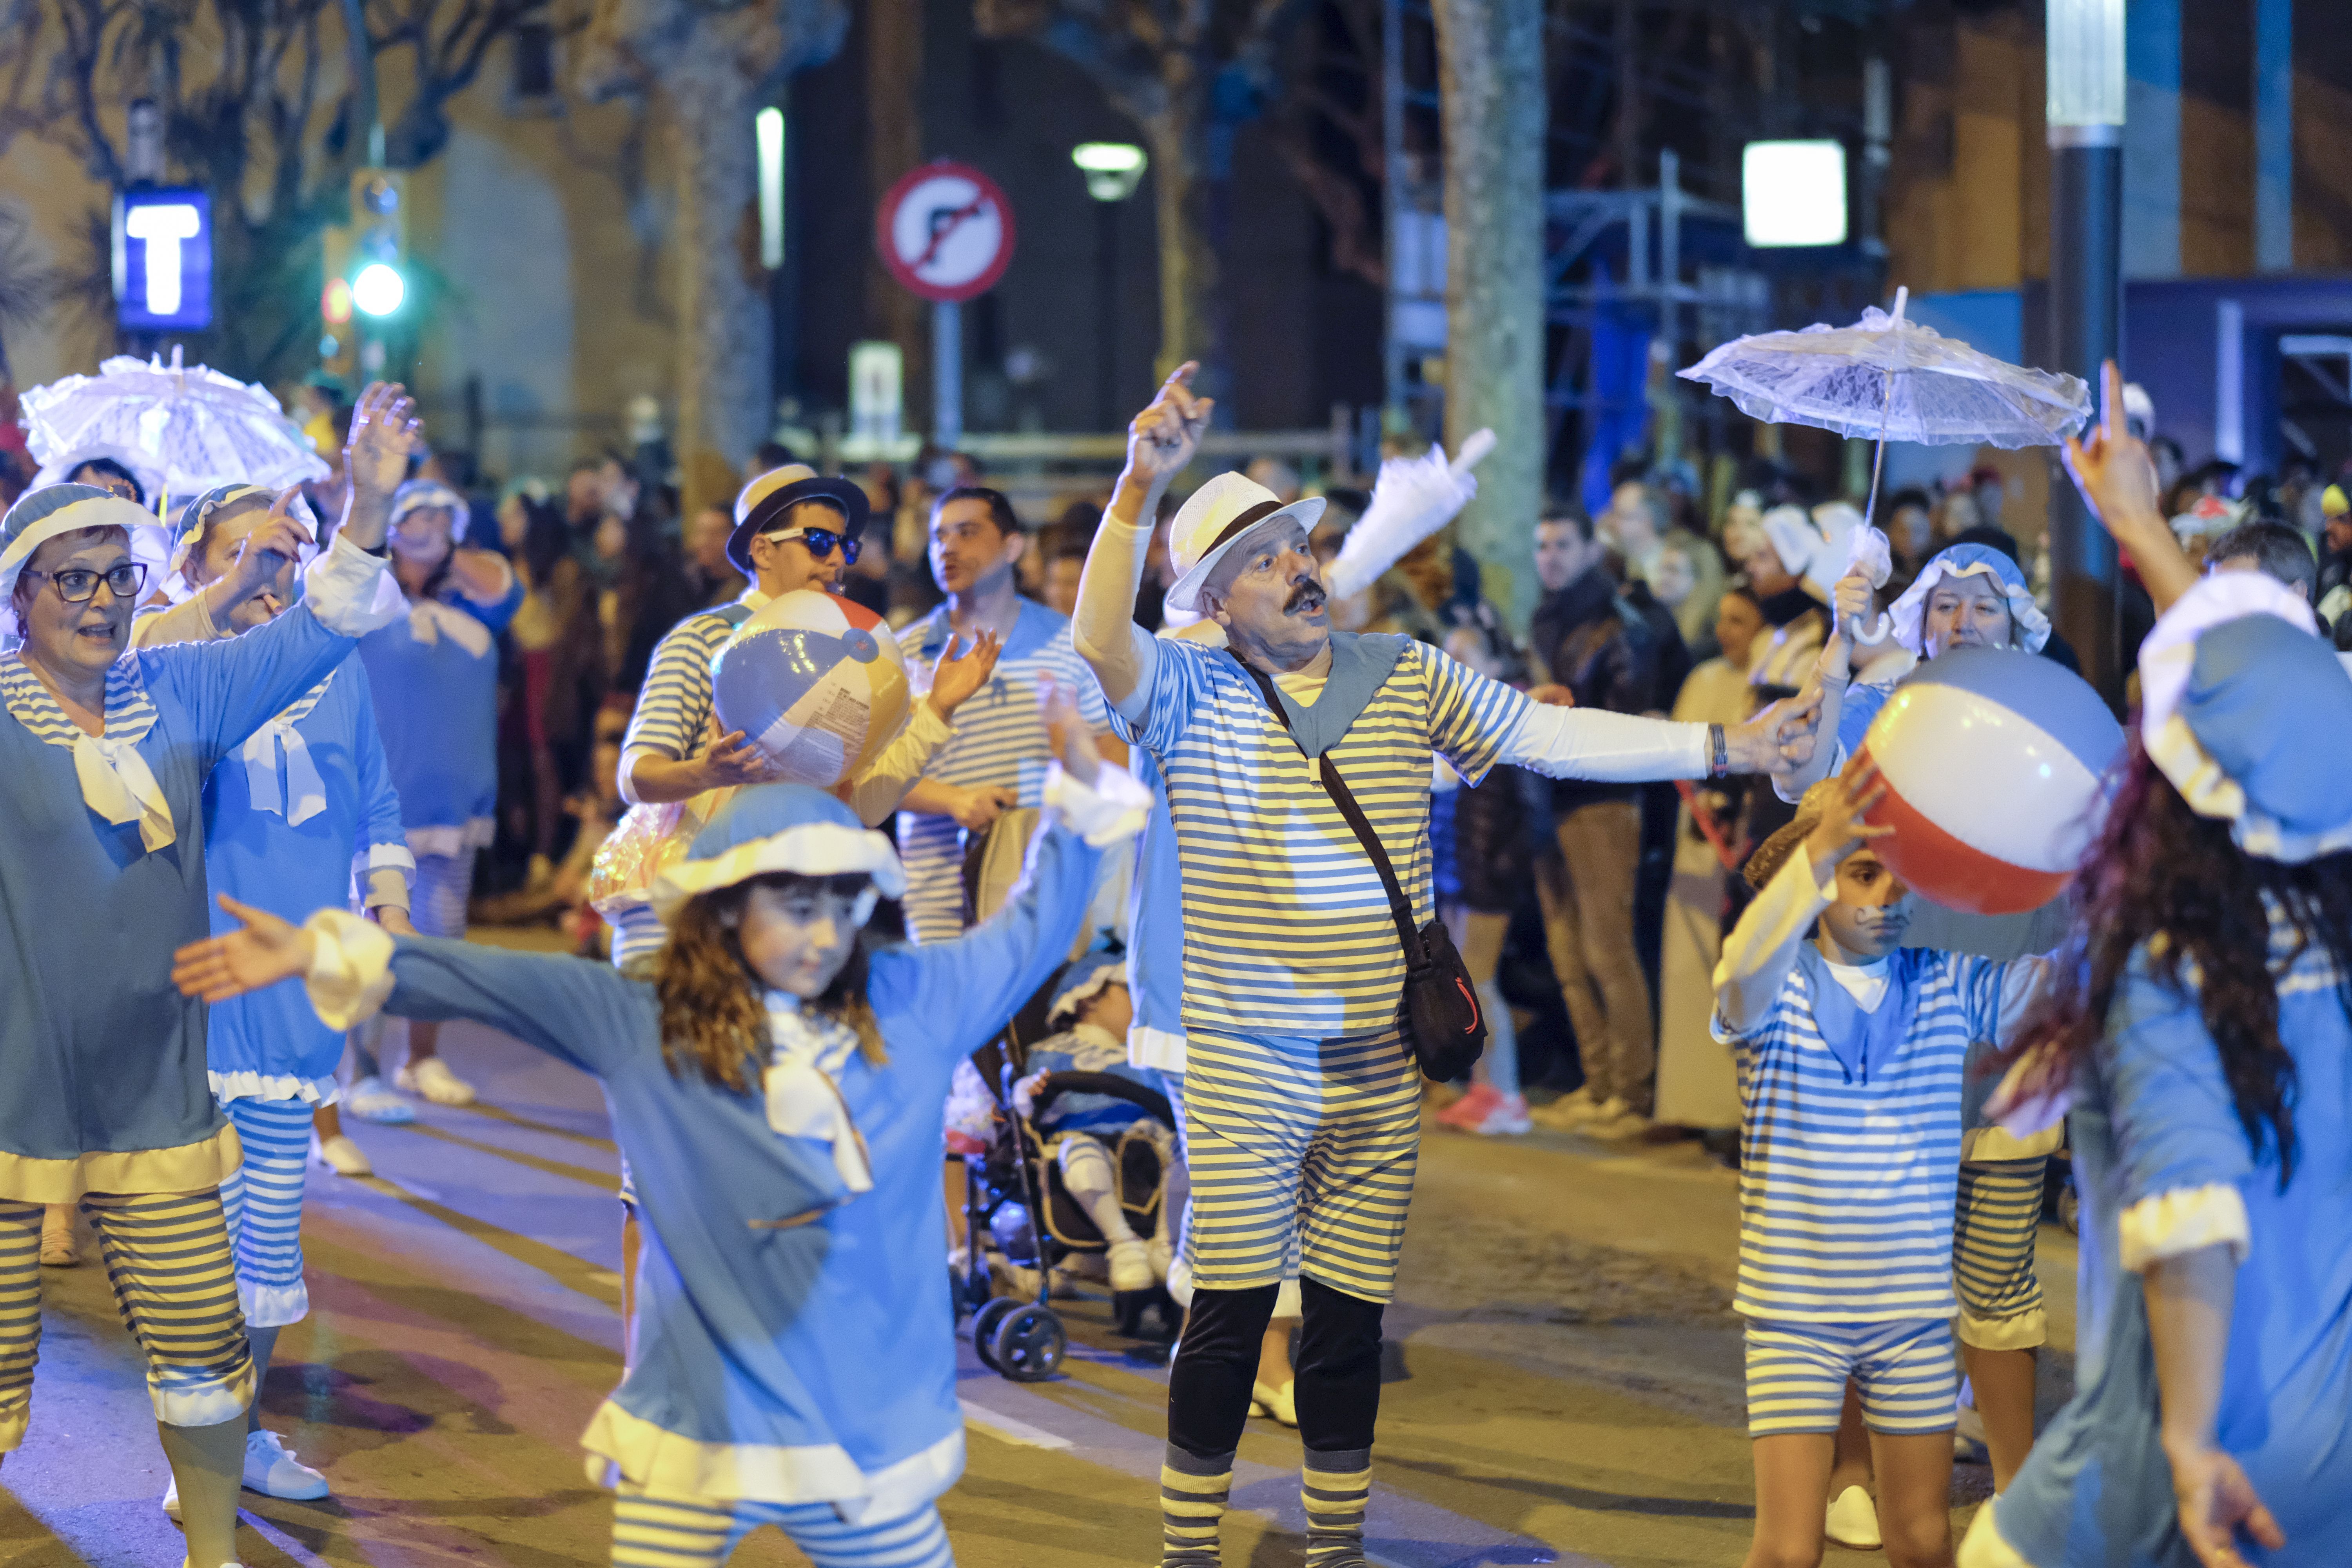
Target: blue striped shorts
{"x":1797,"y":1375}
{"x":263,"y":1204}
{"x":1994,"y":1232}
{"x":696,"y":1533}
{"x":1302,"y":1154}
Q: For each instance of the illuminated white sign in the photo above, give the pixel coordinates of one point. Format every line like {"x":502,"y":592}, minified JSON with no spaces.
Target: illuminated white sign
{"x":1793,"y":193}
{"x":163,"y":259}
{"x":163,"y":226}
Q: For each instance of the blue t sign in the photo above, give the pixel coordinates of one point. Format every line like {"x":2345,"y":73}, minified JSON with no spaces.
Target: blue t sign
{"x":163,"y":260}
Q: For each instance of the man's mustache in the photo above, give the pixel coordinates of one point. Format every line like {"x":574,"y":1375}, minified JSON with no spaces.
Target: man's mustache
{"x":1307,"y":593}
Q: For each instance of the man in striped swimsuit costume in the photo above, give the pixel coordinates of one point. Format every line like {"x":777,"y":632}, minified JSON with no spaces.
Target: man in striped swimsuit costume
{"x":1302,"y":1095}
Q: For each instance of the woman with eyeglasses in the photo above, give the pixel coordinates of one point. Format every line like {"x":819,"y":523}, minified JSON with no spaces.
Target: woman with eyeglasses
{"x":776,"y":1081}
{"x":434,"y":674}
{"x":104,"y":1094}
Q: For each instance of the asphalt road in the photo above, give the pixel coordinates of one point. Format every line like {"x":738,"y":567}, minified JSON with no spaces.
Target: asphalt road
{"x":1564,"y":1374}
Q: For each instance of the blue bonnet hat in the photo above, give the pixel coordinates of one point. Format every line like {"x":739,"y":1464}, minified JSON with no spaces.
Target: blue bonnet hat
{"x":1909,"y":612}
{"x":779,"y":827}
{"x":2246,"y":710}
{"x":418,"y":494}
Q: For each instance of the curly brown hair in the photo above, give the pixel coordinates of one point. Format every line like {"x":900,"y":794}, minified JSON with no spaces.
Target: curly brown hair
{"x":2164,"y":880}
{"x":713,"y":1020}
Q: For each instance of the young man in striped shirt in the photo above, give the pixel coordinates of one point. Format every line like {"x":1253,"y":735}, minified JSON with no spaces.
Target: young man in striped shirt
{"x":1851,"y":1050}
{"x":997,"y":759}
{"x":1302,"y":1103}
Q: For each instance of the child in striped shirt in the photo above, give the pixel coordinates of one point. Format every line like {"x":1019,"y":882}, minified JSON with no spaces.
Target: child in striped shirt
{"x":1850,"y":1048}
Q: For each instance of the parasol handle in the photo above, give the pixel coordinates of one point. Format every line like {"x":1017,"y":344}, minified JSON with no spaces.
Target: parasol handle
{"x":1878,"y":633}
{"x":1474,"y":448}
{"x":1902,"y":297}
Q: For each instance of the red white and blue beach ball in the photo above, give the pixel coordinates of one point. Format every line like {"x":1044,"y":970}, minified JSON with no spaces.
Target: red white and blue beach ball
{"x":815,"y":681}
{"x":1994,"y":761}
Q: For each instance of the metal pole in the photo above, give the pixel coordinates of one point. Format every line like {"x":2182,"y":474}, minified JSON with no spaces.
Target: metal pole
{"x":1393,"y":187}
{"x":1107,"y":313}
{"x":947,"y":375}
{"x":2086,"y":164}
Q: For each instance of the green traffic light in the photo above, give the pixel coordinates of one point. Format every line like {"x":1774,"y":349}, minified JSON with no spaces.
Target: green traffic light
{"x":379,"y":288}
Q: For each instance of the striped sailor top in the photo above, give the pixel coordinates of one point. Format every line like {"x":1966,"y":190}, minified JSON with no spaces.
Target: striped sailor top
{"x":1287,"y":929}
{"x":1850,"y":1163}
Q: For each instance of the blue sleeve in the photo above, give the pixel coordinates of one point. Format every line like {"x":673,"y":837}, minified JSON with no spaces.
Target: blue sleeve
{"x":2175,"y":1122}
{"x":379,"y":801}
{"x":954,"y":996}
{"x":498,"y":611}
{"x":1861,"y":706}
{"x":232,"y":687}
{"x":1180,"y":683}
{"x":574,"y":1009}
{"x":1470,"y":717}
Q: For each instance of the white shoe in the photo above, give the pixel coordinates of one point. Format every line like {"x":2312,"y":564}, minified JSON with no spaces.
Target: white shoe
{"x":171,"y":1500}
{"x":432,"y":1079}
{"x":1616,"y":1121}
{"x":1853,"y":1521}
{"x":340,"y":1155}
{"x":371,"y":1099}
{"x":1571,"y":1110}
{"x":270,"y":1470}
{"x":1282,"y":1404}
{"x":1130,"y":1267}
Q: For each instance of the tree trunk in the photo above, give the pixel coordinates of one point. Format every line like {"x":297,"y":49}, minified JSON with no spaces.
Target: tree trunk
{"x":894,"y":144}
{"x":1187,"y":263}
{"x":726,"y":392}
{"x":1490,"y":79}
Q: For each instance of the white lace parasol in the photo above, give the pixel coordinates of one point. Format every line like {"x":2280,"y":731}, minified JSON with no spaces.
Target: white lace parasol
{"x":196,"y":426}
{"x":1886,"y":379}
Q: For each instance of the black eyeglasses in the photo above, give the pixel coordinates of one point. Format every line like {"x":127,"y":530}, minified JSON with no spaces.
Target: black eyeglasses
{"x":820,"y":542}
{"x":76,"y":585}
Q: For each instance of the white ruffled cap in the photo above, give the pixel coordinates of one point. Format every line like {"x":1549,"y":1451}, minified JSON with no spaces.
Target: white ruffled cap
{"x":1084,"y":979}
{"x":2266,"y":796}
{"x":779,"y":827}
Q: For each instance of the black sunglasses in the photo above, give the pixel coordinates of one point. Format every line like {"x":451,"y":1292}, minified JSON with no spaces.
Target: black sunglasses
{"x":78,"y":585}
{"x":820,"y":542}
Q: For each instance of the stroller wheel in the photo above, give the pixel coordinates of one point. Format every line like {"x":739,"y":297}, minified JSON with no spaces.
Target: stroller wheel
{"x":984,"y":1330}
{"x":1029,"y":1343}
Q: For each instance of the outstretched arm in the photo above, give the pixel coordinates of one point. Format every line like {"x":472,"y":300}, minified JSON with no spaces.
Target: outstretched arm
{"x":1623,"y":748}
{"x":1159,"y":441}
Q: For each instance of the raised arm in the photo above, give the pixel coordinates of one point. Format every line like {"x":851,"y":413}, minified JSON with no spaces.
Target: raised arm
{"x":1159,"y":441}
{"x":1762,"y":948}
{"x":2116,"y":477}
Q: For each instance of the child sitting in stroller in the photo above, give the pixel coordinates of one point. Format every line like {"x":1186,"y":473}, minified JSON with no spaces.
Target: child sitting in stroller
{"x":1091,"y":1012}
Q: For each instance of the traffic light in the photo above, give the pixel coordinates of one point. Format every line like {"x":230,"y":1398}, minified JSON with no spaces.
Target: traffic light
{"x":338,"y":333}
{"x":378,"y":275}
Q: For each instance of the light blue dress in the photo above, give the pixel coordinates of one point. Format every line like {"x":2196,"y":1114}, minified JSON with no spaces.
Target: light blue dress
{"x":270,"y":1044}
{"x":808,"y":1364}
{"x":2154,"y":1115}
{"x":435,"y":673}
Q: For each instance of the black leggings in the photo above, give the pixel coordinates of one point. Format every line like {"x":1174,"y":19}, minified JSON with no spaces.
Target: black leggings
{"x":1339,"y":1369}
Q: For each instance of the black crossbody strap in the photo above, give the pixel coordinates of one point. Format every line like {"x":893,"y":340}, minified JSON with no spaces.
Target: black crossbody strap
{"x":1399,"y":908}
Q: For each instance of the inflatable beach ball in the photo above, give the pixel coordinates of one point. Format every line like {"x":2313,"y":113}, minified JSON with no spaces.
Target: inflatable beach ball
{"x":1994,"y":764}
{"x":815,"y":681}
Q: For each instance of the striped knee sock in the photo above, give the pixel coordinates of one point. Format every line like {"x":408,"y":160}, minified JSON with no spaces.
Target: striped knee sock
{"x":1192,"y":1492}
{"x":1335,"y":1485}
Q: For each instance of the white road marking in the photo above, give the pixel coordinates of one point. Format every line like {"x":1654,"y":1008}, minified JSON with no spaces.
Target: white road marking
{"x":1009,"y":1429}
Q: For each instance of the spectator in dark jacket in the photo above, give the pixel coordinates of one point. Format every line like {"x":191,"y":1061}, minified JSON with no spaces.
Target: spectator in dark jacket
{"x":1597,"y":650}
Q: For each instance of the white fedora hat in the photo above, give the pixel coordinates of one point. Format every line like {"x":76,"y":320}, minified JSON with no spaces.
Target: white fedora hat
{"x":1220,"y":515}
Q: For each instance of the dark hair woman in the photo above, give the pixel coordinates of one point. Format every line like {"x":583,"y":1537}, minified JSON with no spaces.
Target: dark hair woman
{"x":2205,"y":1032}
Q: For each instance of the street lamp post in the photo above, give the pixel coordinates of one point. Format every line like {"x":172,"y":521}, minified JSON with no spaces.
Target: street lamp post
{"x":1113,"y":170}
{"x":2086,"y":74}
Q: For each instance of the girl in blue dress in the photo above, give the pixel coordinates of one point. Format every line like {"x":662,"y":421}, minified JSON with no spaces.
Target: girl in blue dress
{"x":776,"y":1086}
{"x":2207,"y":1046}
{"x":304,"y":815}
{"x":434,"y":674}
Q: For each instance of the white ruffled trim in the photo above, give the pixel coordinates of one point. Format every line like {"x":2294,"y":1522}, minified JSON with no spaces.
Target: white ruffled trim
{"x":1909,"y":613}
{"x":474,"y":833}
{"x":1162,"y":1049}
{"x":350,"y":968}
{"x":2183,"y":1220}
{"x":808,"y":849}
{"x":2018,"y":1331}
{"x":662,"y":1462}
{"x":1116,"y":808}
{"x":273,"y":1306}
{"x":228,"y":1086}
{"x":352,"y":591}
{"x":1993,"y":1143}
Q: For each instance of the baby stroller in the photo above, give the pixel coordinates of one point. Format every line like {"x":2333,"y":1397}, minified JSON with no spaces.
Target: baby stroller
{"x":1017,"y":1209}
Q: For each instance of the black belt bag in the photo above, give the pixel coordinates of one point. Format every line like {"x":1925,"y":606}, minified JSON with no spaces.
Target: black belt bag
{"x":1439,"y":1014}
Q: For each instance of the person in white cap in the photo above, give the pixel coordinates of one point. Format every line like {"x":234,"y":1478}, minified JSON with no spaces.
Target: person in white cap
{"x":1302,"y":1098}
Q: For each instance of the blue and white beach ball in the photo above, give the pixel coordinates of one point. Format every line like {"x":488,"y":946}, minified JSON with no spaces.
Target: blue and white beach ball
{"x":815,"y":681}
{"x":1993,"y":761}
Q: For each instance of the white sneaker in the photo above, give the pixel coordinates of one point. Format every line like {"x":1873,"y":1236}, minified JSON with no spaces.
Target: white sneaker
{"x":1282,"y":1404}
{"x":432,"y":1079}
{"x":1571,"y":1110}
{"x":1130,"y":1267}
{"x":1616,"y":1121}
{"x":371,"y":1099}
{"x":1853,"y":1521}
{"x":340,"y":1155}
{"x":270,"y":1470}
{"x":1507,"y":1119}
